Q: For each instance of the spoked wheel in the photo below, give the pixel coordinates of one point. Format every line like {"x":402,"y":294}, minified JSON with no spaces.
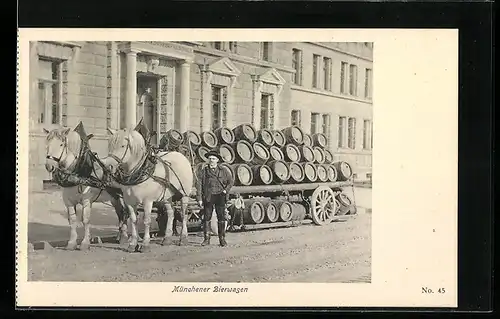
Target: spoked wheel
{"x":323,"y":205}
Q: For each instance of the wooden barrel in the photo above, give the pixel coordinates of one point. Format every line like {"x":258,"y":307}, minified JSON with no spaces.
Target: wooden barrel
{"x":307,"y":154}
{"x":188,"y":152}
{"x":261,"y":154}
{"x":272,"y":213}
{"x":193,"y":138}
{"x":230,"y":169}
{"x":310,"y":173}
{"x":328,"y":156}
{"x":243,"y":151}
{"x":344,"y":171}
{"x":265,"y":137}
{"x":227,"y":153}
{"x":319,"y":155}
{"x":224,"y":135}
{"x":296,"y":173}
{"x":279,"y":138}
{"x":308,"y":140}
{"x":292,"y":153}
{"x":243,"y":174}
{"x":280,"y":170}
{"x":331,"y":172}
{"x":285,"y":211}
{"x":319,"y":139}
{"x":322,"y":173}
{"x":345,"y":204}
{"x":171,"y":140}
{"x":299,"y":212}
{"x":208,"y":139}
{"x":253,"y":212}
{"x":262,"y":175}
{"x":245,"y":132}
{"x":294,"y":135}
{"x":201,"y":154}
{"x":275,"y":154}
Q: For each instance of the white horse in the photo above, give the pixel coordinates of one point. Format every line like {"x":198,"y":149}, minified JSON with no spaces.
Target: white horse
{"x":65,"y":156}
{"x":168,"y":179}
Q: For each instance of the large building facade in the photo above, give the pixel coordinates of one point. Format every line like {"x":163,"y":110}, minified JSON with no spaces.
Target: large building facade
{"x":322,"y":87}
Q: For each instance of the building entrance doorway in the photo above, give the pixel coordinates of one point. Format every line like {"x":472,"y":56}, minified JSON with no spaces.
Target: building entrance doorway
{"x":147,"y":102}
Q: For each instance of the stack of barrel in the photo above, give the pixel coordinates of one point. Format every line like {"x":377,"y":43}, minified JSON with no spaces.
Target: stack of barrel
{"x":263,"y":157}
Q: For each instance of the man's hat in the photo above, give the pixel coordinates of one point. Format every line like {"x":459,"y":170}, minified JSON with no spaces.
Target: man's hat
{"x":214,"y":153}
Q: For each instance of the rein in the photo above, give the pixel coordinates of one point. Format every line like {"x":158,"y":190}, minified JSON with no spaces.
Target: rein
{"x":143,"y":170}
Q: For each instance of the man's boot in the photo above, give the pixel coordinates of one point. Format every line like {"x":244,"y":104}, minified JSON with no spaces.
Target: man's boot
{"x":206,"y":234}
{"x":221,"y":227}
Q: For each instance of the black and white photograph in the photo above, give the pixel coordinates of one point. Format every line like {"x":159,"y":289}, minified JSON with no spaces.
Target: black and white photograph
{"x":200,"y":161}
{"x":287,"y":167}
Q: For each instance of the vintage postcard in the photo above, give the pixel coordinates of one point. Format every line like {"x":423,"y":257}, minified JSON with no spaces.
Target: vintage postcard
{"x":237,"y":167}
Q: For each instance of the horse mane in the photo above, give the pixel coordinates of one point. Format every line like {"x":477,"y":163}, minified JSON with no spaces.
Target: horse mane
{"x":72,"y":139}
{"x":136,"y":141}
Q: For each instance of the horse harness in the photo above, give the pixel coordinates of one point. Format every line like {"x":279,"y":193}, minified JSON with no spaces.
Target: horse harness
{"x":82,"y":173}
{"x":145,"y":170}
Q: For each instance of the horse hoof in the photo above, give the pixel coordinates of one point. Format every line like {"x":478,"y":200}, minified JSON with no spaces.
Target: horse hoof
{"x":145,"y":249}
{"x":71,"y":246}
{"x":84,"y":246}
{"x":131,"y":248}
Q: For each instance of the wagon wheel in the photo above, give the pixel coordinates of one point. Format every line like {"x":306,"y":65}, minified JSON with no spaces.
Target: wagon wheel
{"x":323,"y":205}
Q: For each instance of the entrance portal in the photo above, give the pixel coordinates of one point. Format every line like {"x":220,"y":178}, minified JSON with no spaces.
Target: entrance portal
{"x":147,"y":102}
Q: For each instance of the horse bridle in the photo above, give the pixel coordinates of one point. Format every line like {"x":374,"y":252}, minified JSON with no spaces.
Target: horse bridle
{"x":57,"y":160}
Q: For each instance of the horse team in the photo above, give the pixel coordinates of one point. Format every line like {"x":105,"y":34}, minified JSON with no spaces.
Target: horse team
{"x":165,"y":177}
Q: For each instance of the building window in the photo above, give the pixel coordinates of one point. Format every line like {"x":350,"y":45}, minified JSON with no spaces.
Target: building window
{"x":314,"y":122}
{"x":315,"y":70}
{"x":366,"y":134}
{"x":217,"y":106}
{"x":265,"y":51}
{"x":343,"y":77}
{"x":326,"y":126}
{"x":232,"y":47}
{"x":217,"y":45}
{"x":295,"y":118}
{"x":368,"y":83}
{"x":353,"y":79}
{"x":49,"y":91}
{"x":371,"y":136}
{"x":297,"y":66}
{"x":351,"y":133}
{"x":265,"y":111}
{"x":327,"y":73}
{"x":341,"y":133}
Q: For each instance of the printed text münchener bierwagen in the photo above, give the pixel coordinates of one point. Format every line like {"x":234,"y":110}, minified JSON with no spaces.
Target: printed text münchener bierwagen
{"x":208,"y":289}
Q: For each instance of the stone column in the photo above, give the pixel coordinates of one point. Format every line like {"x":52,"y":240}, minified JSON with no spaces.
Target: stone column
{"x":115,"y":82}
{"x":131,"y":100}
{"x":184,"y":96}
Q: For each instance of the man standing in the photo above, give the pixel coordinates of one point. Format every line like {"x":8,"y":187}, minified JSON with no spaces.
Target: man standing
{"x":213,"y":188}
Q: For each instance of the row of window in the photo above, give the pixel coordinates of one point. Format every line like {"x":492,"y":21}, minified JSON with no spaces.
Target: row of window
{"x":264,"y":52}
{"x":348,"y":74}
{"x":321,"y":67}
{"x":346,"y":129}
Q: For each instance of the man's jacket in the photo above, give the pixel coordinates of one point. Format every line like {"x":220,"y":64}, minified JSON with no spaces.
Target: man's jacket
{"x":213,"y":182}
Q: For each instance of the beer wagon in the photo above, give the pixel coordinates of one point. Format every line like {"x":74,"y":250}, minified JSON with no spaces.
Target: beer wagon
{"x":282,"y":177}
